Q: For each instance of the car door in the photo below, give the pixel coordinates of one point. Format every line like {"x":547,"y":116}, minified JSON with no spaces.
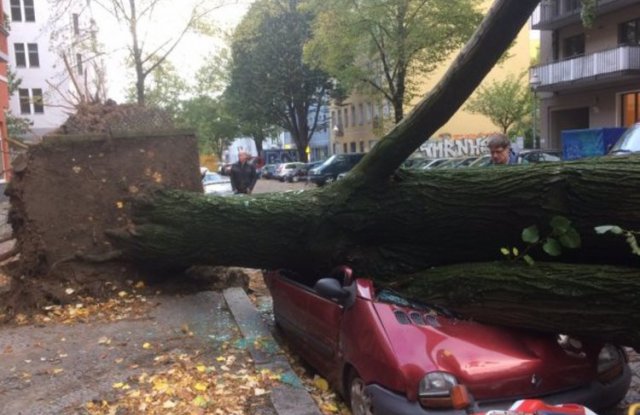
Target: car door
{"x":312,"y":322}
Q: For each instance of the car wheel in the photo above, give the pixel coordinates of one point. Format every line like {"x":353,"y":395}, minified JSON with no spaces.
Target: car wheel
{"x":359,"y":400}
{"x":295,"y":179}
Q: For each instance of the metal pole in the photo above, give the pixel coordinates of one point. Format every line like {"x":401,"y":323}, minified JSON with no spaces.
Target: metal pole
{"x":536,"y":142}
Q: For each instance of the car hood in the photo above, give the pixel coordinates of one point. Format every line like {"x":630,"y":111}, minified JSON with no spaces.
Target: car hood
{"x":493,"y":362}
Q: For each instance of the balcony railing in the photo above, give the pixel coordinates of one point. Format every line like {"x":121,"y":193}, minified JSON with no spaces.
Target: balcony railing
{"x":553,"y":13}
{"x":609,"y":62}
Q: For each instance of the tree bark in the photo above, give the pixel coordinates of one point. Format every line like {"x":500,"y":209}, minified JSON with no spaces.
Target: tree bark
{"x":408,"y":223}
{"x":581,"y":300}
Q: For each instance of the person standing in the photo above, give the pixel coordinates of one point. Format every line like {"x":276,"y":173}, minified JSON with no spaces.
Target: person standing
{"x":243,"y":175}
{"x":500,"y":149}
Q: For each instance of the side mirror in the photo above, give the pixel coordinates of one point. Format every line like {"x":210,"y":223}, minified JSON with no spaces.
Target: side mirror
{"x":331,"y":288}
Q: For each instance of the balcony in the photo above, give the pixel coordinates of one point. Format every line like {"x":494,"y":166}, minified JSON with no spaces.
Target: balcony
{"x":552,"y":14}
{"x":612,"y":64}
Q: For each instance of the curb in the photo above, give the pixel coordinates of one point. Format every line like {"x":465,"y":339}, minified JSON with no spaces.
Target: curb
{"x":291,"y":398}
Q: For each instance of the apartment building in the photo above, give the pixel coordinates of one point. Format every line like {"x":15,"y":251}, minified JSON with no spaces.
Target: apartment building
{"x":587,"y":77}
{"x":49,"y":53}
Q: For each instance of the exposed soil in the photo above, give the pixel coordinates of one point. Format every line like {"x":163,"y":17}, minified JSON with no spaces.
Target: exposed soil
{"x":66,"y":192}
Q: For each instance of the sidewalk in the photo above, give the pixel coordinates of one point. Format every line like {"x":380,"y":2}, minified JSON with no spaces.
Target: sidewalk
{"x":64,"y":368}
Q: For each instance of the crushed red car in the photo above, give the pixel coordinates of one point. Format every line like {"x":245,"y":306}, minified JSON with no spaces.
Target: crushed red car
{"x":386,"y":354}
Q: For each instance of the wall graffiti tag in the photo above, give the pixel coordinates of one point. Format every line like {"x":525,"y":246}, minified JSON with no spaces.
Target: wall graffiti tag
{"x":449,"y":147}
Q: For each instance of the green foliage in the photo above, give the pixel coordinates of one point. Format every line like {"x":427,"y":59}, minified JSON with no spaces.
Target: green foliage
{"x":381,"y":47}
{"x":214,"y":127}
{"x":630,"y":236}
{"x":506,"y":102}
{"x":165,"y":89}
{"x":16,"y":126}
{"x":588,"y":12}
{"x":561,"y":235}
{"x":269,"y":82}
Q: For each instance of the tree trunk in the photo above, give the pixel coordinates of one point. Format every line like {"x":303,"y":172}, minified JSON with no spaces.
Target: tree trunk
{"x":581,"y":300}
{"x":405,"y":224}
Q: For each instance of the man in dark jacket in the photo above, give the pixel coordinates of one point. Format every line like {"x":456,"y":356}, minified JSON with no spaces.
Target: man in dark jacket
{"x":243,"y":175}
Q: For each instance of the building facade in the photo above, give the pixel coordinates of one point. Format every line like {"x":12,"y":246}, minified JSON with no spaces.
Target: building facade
{"x":4,"y":97}
{"x":587,"y":77}
{"x":49,"y":52}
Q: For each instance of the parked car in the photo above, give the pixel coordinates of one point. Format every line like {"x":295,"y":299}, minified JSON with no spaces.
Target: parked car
{"x":289,"y":172}
{"x":328,"y":171}
{"x":214,"y":183}
{"x":629,"y":141}
{"x":539,"y":156}
{"x":481,"y":161}
{"x":433,"y":163}
{"x":390,"y":355}
{"x":268,"y":171}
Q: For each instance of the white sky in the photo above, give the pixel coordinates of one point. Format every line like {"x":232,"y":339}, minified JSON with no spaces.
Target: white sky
{"x":169,"y":19}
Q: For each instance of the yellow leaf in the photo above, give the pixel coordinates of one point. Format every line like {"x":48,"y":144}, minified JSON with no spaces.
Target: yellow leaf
{"x":139,"y":284}
{"x":146,"y":346}
{"x":221,"y":359}
{"x":118,"y":385}
{"x":169,"y":404}
{"x":329,"y":407}
{"x":201,"y":368}
{"x":119,"y":204}
{"x":259,"y":391}
{"x":200,"y":386}
{"x":320,"y":383}
{"x":57,"y":370}
{"x":200,"y":401}
{"x":122,"y":294}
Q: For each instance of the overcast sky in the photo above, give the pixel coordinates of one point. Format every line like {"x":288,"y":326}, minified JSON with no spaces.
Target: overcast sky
{"x":168,"y":21}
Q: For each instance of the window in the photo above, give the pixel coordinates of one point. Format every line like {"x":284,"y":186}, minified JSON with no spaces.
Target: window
{"x":34,"y":60}
{"x":573,"y":46}
{"x":346,"y":117}
{"x":21,"y":58}
{"x":630,"y":108}
{"x":334,"y":122}
{"x":369,"y":111}
{"x":38,"y":102}
{"x":25,"y":101}
{"x":629,"y":33}
{"x":16,"y":11}
{"x":79,"y":63}
{"x":353,"y":146}
{"x":76,"y":23}
{"x":353,"y":115}
{"x":361,"y":114}
{"x":362,"y":146}
{"x":571,"y":6}
{"x":345,"y":150}
{"x":29,"y":11}
{"x":21,"y":55}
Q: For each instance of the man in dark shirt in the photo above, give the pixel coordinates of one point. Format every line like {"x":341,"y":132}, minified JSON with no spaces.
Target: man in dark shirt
{"x":500,"y":149}
{"x":243,"y":175}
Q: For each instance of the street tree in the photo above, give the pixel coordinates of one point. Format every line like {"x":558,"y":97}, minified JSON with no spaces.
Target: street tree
{"x":504,"y":101}
{"x":165,"y":89}
{"x":270,"y":84}
{"x":214,"y":127}
{"x":146,"y":54}
{"x":384,"y":47}
{"x":16,"y":126}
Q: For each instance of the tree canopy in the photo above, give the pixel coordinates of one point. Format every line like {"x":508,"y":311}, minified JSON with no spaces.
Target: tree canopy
{"x":270,"y":84}
{"x":383,"y":46}
{"x":504,"y":101}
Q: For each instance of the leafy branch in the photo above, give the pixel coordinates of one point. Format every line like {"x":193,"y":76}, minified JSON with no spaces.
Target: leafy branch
{"x":562,"y":235}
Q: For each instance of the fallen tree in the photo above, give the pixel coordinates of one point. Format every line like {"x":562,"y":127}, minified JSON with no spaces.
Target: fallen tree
{"x":388,"y":225}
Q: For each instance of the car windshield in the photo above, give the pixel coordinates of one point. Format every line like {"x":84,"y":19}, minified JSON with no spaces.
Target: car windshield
{"x":213,"y":178}
{"x":629,"y":142}
{"x":388,"y":296}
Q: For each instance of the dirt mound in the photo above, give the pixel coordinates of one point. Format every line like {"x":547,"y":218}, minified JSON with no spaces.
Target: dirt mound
{"x":67,"y":191}
{"x":111,"y":118}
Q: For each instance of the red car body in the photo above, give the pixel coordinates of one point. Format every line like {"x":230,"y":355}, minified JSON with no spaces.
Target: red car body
{"x":392,"y":344}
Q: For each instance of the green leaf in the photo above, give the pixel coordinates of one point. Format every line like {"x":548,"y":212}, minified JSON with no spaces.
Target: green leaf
{"x":571,"y":239}
{"x":552,"y":247}
{"x":616,"y":230}
{"x":515,"y":251}
{"x":560,"y":224}
{"x":531,"y":234}
{"x":529,"y":260}
{"x":505,"y":251}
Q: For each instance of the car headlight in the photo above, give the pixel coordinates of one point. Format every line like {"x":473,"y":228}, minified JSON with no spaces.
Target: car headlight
{"x":441,"y":390}
{"x":610,"y":363}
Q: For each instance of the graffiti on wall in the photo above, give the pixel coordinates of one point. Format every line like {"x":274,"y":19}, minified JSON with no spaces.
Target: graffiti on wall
{"x":455,"y":147}
{"x":280,"y":156}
